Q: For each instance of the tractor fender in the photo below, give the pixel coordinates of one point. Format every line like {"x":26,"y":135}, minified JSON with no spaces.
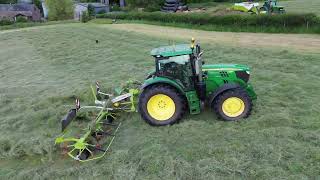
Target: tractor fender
{"x":161,"y":80}
{"x":220,"y":90}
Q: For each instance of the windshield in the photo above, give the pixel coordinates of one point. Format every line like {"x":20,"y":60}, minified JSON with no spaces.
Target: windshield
{"x":176,"y":67}
{"x":176,"y":59}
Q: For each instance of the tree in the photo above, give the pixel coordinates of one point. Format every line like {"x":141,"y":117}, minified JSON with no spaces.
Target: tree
{"x":91,"y":10}
{"x":59,"y":9}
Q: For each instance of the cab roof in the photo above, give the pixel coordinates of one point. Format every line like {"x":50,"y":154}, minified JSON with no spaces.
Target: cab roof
{"x":174,"y":50}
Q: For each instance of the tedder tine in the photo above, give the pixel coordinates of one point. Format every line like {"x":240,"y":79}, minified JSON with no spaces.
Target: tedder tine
{"x":102,"y":127}
{"x":66,"y":120}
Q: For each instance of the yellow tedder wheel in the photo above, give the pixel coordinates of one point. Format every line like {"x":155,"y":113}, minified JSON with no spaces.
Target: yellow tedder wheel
{"x":161,"y":105}
{"x":232,"y":105}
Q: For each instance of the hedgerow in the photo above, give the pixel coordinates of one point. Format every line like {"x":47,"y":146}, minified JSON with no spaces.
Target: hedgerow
{"x":285,"y":20}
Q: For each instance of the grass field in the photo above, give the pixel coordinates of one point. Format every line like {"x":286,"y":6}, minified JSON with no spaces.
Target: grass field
{"x":32,"y":24}
{"x":43,"y":68}
{"x":305,"y":6}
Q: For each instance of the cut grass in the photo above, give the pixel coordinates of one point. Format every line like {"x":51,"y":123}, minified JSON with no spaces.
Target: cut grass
{"x":288,"y":42}
{"x":43,"y":69}
{"x":32,"y":24}
{"x":305,"y":6}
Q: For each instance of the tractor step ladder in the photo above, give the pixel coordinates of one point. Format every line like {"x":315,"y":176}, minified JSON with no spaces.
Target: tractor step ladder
{"x":194,"y":102}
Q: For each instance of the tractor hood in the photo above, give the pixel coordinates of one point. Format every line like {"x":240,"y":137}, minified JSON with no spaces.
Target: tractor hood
{"x":225,"y":67}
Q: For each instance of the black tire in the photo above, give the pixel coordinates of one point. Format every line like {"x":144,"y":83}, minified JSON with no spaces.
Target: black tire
{"x":170,"y":8}
{"x":173,"y":5}
{"x":178,"y":99}
{"x":110,"y":119}
{"x":84,"y":155}
{"x":166,"y":11}
{"x":170,"y":5}
{"x":238,"y":93}
{"x":172,"y":1}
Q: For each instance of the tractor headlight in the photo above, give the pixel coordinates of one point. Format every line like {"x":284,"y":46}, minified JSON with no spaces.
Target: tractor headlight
{"x":244,"y":75}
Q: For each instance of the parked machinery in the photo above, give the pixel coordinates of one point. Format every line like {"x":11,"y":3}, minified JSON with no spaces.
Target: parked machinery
{"x":174,"y":6}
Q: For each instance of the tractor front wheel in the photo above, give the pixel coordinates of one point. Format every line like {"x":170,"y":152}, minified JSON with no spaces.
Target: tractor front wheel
{"x":232,"y":105}
{"x":161,"y":105}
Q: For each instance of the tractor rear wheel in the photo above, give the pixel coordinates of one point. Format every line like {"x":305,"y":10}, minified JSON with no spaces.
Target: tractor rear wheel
{"x":161,"y":105}
{"x":232,"y":105}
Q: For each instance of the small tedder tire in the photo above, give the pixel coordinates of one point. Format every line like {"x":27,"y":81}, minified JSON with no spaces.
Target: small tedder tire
{"x":232,"y":105}
{"x":161,"y":105}
{"x":84,"y":155}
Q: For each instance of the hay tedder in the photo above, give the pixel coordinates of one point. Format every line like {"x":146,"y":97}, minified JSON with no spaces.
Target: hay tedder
{"x":179,"y":84}
{"x":99,"y":134}
{"x":269,"y":7}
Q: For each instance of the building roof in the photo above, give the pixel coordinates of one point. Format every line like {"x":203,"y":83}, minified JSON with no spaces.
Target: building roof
{"x":12,"y":14}
{"x":174,"y":50}
{"x":17,"y":7}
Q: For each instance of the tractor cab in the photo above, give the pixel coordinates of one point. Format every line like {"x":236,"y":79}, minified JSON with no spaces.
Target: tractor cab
{"x":180,"y":63}
{"x":271,"y":6}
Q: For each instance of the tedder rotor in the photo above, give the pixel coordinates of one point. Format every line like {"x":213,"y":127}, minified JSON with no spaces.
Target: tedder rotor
{"x":181,"y":82}
{"x":99,"y":134}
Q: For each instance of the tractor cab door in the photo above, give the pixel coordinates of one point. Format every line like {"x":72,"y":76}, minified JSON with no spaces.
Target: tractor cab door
{"x":177,"y":68}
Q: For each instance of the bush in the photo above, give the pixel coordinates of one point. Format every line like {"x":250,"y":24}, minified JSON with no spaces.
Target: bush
{"x":85,"y":17}
{"x":21,"y":19}
{"x":102,"y":12}
{"x":59,"y":9}
{"x":91,"y":10}
{"x":285,"y":20}
{"x":4,"y":22}
{"x":148,"y":5}
{"x":115,"y":8}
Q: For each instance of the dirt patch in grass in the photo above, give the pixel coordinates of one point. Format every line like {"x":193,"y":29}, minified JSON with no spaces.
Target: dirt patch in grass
{"x":291,"y":42}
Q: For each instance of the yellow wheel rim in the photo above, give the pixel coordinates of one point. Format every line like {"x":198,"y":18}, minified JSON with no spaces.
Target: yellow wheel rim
{"x":161,"y":107}
{"x":233,"y":107}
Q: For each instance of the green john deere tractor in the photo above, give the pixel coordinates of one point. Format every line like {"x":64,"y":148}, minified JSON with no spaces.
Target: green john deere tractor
{"x":271,"y":7}
{"x":182,"y":83}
